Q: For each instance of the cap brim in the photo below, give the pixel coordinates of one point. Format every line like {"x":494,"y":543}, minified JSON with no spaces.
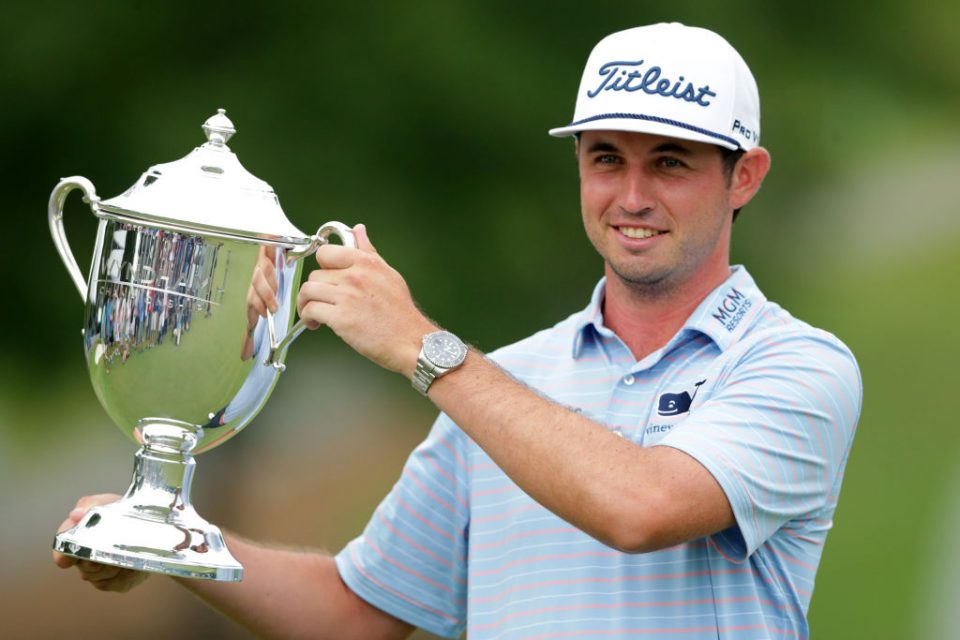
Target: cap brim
{"x":647,"y":124}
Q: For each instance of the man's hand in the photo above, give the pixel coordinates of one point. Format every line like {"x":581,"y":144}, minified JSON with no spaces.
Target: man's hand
{"x":101,"y":576}
{"x":365,"y":302}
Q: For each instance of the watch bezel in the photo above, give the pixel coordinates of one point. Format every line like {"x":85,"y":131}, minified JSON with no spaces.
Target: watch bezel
{"x":437,"y":336}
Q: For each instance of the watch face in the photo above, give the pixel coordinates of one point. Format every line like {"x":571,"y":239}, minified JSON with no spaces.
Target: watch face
{"x":444,"y":349}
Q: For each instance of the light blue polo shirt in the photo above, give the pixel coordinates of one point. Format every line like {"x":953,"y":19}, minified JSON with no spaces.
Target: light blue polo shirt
{"x":767,"y":403}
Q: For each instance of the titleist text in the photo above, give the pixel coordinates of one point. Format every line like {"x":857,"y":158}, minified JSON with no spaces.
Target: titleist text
{"x":626,"y":76}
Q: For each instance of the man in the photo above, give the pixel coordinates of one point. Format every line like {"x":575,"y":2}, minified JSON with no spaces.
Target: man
{"x":665,"y":462}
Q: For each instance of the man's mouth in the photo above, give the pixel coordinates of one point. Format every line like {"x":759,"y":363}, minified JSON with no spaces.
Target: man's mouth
{"x":639,"y":232}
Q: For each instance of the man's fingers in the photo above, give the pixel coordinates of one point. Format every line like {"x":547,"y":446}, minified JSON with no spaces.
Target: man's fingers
{"x":90,"y":569}
{"x":316,"y":301}
{"x":315,"y":314}
{"x":98,"y":499}
{"x":316,"y":290}
{"x":83,"y":505}
{"x":62,"y":561}
{"x":105,"y":577}
{"x":76,"y":514}
{"x":336,"y":256}
{"x":96,"y":572}
{"x":73,"y":518}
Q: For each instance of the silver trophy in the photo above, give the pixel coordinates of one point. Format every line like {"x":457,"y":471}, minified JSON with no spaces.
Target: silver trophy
{"x":180,"y":352}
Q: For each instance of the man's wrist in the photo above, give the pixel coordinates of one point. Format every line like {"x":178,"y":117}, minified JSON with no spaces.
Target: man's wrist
{"x":441,"y":352}
{"x":412,"y":346}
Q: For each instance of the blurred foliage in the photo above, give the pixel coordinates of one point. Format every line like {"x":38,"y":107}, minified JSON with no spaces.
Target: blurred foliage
{"x":427,"y":121}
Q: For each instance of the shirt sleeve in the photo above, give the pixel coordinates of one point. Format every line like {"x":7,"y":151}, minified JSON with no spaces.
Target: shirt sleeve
{"x":775,"y":433}
{"x":410,"y":560}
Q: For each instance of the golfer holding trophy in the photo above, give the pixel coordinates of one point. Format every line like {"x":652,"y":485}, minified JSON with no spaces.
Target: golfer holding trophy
{"x":664,"y":462}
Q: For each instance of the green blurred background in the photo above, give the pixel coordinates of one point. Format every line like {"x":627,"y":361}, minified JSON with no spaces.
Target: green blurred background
{"x":427,"y":121}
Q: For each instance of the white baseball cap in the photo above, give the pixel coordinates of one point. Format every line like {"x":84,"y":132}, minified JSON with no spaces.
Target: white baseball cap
{"x":672,"y":80}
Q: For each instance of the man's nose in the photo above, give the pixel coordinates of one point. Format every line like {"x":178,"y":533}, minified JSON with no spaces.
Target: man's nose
{"x":637,"y":195}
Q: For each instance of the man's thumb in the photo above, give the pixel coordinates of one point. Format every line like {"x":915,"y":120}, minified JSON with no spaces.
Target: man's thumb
{"x":363,"y":241}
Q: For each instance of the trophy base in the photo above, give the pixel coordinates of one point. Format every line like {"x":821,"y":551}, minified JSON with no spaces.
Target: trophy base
{"x":154,"y":527}
{"x":189,"y":548}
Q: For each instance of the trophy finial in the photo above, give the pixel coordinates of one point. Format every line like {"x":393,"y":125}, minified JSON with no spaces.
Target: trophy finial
{"x":218,"y":129}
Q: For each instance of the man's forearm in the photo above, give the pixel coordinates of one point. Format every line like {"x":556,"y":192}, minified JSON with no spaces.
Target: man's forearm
{"x":294,"y":594}
{"x":627,"y":496}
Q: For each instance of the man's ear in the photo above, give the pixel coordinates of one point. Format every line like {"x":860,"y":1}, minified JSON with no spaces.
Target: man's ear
{"x":748,"y":175}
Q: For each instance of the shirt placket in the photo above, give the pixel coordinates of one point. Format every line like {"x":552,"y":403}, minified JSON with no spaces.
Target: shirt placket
{"x":623,"y":407}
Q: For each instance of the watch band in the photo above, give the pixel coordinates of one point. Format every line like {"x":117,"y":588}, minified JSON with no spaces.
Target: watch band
{"x":423,"y":375}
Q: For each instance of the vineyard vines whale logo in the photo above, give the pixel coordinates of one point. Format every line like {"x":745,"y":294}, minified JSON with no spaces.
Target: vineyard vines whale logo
{"x":673,"y":404}
{"x":624,"y":75}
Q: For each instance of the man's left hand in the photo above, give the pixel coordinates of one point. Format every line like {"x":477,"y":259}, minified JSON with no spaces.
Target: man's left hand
{"x":366,"y":302}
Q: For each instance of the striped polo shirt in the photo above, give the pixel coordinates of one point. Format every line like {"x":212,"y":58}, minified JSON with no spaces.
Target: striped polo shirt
{"x":767,"y":403}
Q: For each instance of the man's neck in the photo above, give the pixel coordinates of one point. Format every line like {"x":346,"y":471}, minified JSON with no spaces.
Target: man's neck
{"x":646,"y":319}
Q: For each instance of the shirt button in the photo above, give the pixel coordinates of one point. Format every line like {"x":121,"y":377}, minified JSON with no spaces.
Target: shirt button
{"x":618,"y":431}
{"x":629,"y":379}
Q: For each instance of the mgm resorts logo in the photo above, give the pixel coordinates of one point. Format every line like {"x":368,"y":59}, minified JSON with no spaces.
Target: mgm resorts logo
{"x":731,"y":309}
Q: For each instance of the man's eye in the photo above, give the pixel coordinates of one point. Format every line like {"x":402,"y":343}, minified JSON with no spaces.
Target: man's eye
{"x":607,"y":158}
{"x":671,"y":163}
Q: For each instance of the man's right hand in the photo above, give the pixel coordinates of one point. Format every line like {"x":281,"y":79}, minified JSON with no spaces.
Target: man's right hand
{"x":103,"y":577}
{"x":284,"y":593}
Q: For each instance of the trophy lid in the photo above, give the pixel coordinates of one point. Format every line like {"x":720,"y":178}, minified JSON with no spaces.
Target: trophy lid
{"x":208,"y":190}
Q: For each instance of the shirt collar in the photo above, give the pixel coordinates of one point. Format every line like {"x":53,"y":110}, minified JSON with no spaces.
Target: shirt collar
{"x":729,"y":310}
{"x":591,"y":316}
{"x":723,"y":316}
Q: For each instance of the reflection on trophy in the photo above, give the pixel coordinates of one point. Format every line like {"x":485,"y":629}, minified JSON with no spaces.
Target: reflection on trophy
{"x":189,"y":311}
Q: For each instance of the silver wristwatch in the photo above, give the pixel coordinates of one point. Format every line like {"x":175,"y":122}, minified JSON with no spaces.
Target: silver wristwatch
{"x":442,"y":352}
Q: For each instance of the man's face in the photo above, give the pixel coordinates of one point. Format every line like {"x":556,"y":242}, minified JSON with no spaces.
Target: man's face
{"x":657,"y":209}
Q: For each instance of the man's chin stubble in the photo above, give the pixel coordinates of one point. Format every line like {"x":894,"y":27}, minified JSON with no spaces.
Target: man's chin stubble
{"x":650,"y":285}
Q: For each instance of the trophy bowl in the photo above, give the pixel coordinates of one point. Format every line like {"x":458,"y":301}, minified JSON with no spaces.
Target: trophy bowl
{"x":183,"y":342}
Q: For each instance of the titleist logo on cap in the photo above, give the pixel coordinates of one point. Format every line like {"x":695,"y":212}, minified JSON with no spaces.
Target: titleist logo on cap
{"x":668,"y":80}
{"x":616,"y":77}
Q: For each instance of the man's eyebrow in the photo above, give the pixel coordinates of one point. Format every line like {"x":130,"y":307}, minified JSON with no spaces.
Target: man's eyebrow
{"x":666,"y":147}
{"x":602,"y":147}
{"x":672,"y":147}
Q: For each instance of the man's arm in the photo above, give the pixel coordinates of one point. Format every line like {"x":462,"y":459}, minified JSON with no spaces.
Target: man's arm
{"x":294,"y":594}
{"x":629,"y":497}
{"x":284,"y":593}
{"x":632,"y":498}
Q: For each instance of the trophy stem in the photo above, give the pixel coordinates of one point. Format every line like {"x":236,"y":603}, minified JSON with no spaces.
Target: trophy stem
{"x":154,"y":527}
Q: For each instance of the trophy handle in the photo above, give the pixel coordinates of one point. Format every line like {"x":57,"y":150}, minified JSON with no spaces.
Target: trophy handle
{"x":55,"y":217}
{"x":320,"y":238}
